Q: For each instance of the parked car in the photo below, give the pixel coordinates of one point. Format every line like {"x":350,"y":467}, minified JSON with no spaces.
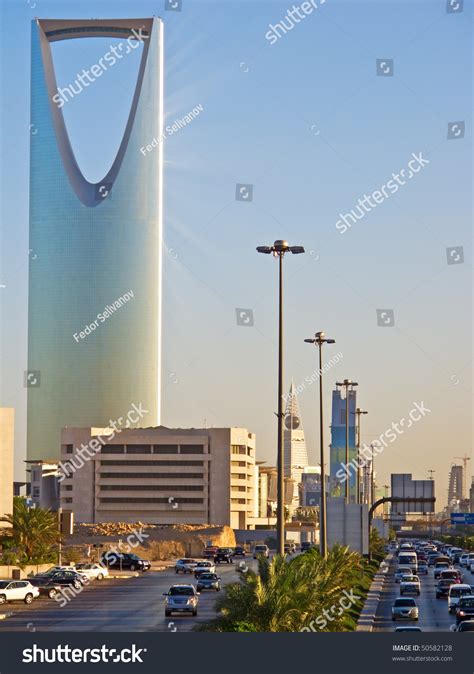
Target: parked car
{"x":442,"y":588}
{"x":93,"y":571}
{"x":181,"y":599}
{"x":261,"y":550}
{"x":17,"y":590}
{"x":65,"y":578}
{"x":306,"y":545}
{"x":46,"y":586}
{"x":465,"y":609}
{"x":410,"y":585}
{"x":204,"y":567}
{"x":441,"y":566}
{"x":405,"y":608}
{"x":185,"y":565}
{"x":240,"y":551}
{"x":455,"y":593}
{"x":402,"y":571}
{"x":422,"y":568}
{"x":209,"y":581}
{"x":466,"y":626}
{"x":224,"y":555}
{"x":125,"y":561}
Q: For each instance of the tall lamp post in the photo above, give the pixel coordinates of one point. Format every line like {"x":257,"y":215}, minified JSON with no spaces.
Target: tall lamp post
{"x":319,"y":340}
{"x":278,"y":250}
{"x":358,"y":413}
{"x":347,"y":383}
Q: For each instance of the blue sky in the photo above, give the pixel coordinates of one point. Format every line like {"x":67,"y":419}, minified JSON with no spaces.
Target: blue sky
{"x":309,"y":123}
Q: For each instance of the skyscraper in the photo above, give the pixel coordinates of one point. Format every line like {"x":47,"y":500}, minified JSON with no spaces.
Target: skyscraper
{"x":338,"y":442}
{"x":455,"y":488}
{"x":295,"y":455}
{"x":94,"y":336}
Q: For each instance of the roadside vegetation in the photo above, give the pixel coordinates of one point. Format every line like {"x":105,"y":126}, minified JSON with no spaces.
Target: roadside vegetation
{"x":461,"y":541}
{"x":32,"y":536}
{"x":290,"y":595}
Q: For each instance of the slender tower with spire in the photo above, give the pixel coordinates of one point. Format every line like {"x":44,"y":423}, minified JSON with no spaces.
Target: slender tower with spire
{"x":296,"y":457}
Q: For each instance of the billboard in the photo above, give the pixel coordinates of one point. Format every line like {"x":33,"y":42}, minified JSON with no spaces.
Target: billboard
{"x":403,"y":486}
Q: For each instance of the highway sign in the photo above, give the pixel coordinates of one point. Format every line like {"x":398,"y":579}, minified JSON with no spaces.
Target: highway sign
{"x":462,"y":518}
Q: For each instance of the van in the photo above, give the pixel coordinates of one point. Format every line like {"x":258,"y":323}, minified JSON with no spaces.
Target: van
{"x":408,"y":558}
{"x":455,"y":593}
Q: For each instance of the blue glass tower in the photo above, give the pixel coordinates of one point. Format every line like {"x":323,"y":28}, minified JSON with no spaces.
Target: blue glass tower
{"x":338,"y":442}
{"x":94,"y":333}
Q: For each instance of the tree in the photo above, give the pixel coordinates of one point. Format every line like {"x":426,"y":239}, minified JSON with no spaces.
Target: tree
{"x":289,"y":595}
{"x":33,"y":533}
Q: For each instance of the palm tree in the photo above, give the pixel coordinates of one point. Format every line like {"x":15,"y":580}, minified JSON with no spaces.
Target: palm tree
{"x":33,"y":532}
{"x":286,"y":596}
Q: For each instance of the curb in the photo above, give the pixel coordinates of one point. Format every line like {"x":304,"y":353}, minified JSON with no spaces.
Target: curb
{"x":367,"y":615}
{"x":5,"y":615}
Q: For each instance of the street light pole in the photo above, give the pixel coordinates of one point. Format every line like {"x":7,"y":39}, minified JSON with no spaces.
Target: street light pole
{"x":319,"y":340}
{"x":279,"y":249}
{"x":358,"y":413}
{"x":347,"y":383}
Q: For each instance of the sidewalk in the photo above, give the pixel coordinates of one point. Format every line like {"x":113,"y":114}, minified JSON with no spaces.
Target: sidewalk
{"x":367,"y":616}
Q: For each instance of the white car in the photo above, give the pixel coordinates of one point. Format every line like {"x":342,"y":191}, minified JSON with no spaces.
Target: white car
{"x":469,"y":561}
{"x":402,"y":571}
{"x":185,"y":565}
{"x":93,"y":571}
{"x":472,"y":567}
{"x":17,"y":590}
{"x":410,"y":585}
{"x":204,"y":567}
{"x":455,"y":593}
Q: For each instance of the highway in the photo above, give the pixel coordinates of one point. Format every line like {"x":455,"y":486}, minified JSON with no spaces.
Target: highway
{"x":116,"y":605}
{"x":434,"y":616}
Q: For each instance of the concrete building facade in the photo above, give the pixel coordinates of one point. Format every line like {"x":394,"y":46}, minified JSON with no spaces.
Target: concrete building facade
{"x":7,"y":424}
{"x":159,"y":475}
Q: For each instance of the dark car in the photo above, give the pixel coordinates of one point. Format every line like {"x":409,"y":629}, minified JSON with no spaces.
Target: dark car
{"x":46,"y":586}
{"x":442,"y":588}
{"x":239,"y":551}
{"x":64,"y":578}
{"x":466,"y":626}
{"x":306,"y":545}
{"x":224,"y":555}
{"x":125,"y":561}
{"x":465,"y":609}
{"x":210,"y":552}
{"x":208,"y":581}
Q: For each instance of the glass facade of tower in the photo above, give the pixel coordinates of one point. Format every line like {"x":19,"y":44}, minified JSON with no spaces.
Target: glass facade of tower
{"x":90,"y":245}
{"x":338,"y":443}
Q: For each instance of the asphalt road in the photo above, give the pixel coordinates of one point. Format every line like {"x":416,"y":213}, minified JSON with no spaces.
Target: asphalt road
{"x":434,"y":616}
{"x":116,"y":605}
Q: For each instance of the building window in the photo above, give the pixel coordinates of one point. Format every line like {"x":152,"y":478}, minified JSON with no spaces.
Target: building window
{"x":138,"y":449}
{"x":150,"y":487}
{"x":36,"y":492}
{"x":67,"y":487}
{"x":113,"y":449}
{"x":69,"y":449}
{"x":67,"y":500}
{"x":192,"y":449}
{"x":165,"y":449}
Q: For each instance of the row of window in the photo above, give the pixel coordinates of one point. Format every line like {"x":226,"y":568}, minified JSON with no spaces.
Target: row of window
{"x":152,"y":463}
{"x":150,"y":487}
{"x":177,"y":499}
{"x":146,"y":449}
{"x":145,"y":476}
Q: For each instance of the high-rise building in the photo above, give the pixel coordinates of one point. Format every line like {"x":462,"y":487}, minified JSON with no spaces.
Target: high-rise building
{"x":338,"y":443}
{"x":295,"y":455}
{"x":455,"y":487}
{"x":159,"y":475}
{"x":7,"y":419}
{"x":94,"y":336}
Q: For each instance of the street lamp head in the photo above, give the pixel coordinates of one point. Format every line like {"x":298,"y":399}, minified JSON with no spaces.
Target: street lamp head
{"x":319,"y":335}
{"x":264,"y":249}
{"x":296,"y":250}
{"x":330,"y":341}
{"x":281,"y":246}
{"x":310,"y":341}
